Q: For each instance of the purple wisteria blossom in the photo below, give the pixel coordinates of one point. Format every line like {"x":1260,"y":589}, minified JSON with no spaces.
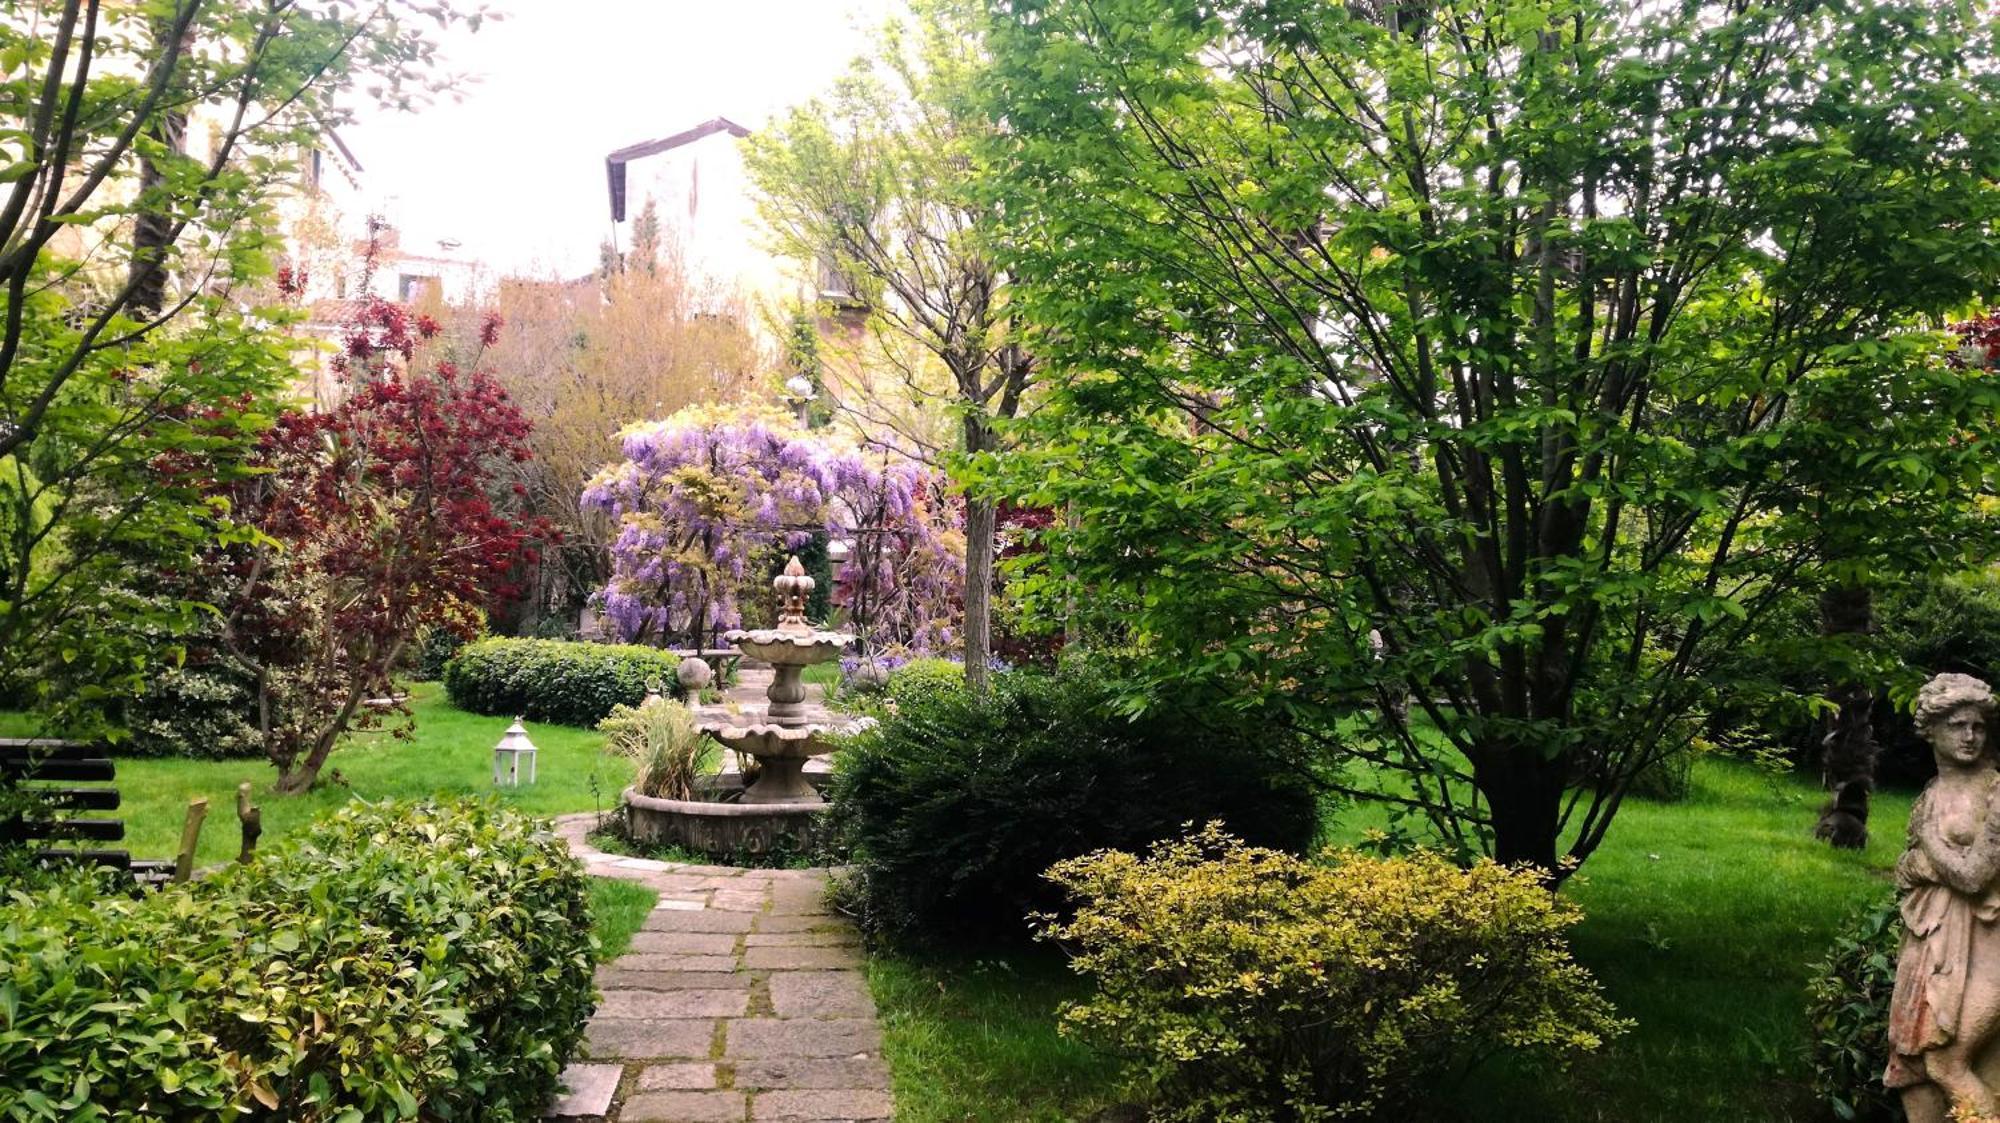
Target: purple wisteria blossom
{"x":709,"y":493}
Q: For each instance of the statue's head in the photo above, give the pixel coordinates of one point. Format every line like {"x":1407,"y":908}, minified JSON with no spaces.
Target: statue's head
{"x":1953,"y":711}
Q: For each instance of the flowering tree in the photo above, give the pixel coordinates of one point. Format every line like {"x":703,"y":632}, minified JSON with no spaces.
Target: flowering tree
{"x":706,"y":492}
{"x":376,"y":518}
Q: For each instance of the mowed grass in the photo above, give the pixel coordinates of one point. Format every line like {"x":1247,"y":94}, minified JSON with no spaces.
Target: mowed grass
{"x":971,"y":1039}
{"x":1702,"y":920}
{"x":617,"y":909}
{"x":451,"y":752}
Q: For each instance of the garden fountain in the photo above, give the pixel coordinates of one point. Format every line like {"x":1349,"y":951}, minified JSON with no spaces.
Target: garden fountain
{"x":780,"y":806}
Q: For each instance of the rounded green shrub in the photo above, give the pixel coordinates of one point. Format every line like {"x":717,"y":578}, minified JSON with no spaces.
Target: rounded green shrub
{"x":200,"y":712}
{"x":955,"y":803}
{"x":921,"y":679}
{"x":560,"y":681}
{"x":1847,"y":1011}
{"x":1246,"y":984}
{"x":398,"y":961}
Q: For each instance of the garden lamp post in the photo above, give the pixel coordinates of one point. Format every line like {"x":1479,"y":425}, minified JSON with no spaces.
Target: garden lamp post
{"x":508,"y":753}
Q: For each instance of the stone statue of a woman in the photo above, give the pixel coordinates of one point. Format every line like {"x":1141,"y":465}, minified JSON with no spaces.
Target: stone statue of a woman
{"x":1946,"y":1008}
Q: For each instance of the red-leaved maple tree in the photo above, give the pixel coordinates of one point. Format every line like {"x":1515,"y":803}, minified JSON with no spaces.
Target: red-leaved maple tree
{"x":377,"y":520}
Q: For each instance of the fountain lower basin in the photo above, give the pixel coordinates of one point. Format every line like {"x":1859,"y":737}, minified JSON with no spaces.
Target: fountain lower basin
{"x":716,"y":825}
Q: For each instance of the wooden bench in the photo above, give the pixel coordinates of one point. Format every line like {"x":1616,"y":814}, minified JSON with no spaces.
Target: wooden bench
{"x":64,"y":778}
{"x":42,"y":767}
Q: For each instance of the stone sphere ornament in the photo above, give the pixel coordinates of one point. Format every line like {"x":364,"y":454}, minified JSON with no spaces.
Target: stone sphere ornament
{"x":869,"y":677}
{"x":1944,"y":1016}
{"x":694,"y":674}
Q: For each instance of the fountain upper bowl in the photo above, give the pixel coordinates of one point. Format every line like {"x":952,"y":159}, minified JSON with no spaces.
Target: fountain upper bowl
{"x":793,"y":649}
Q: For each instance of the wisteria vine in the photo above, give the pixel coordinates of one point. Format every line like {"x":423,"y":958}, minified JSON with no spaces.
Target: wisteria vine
{"x":710,"y":492}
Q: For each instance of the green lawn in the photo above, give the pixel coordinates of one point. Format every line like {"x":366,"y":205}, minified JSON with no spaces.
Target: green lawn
{"x":617,"y":909}
{"x":451,"y":752}
{"x":1702,"y":918}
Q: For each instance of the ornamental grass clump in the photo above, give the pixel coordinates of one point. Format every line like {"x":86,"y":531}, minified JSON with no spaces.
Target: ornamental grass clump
{"x":660,"y":735}
{"x":1247,"y":984}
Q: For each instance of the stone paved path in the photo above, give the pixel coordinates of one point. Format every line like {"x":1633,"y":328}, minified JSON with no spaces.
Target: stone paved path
{"x":741,"y":999}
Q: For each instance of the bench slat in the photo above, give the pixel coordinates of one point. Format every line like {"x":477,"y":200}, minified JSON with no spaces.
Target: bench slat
{"x":116,"y":859}
{"x":97,"y":768}
{"x":78,"y":799}
{"x":100,"y":830}
{"x":45,"y":748}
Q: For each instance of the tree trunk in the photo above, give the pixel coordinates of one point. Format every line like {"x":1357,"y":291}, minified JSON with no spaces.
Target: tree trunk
{"x":980,"y":516}
{"x":979,"y":519}
{"x":1524,"y":796}
{"x":153,"y":226}
{"x":302,"y":777}
{"x":1848,"y":750}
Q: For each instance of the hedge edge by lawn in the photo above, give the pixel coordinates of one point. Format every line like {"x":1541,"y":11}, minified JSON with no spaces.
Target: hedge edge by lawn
{"x":559,"y":681}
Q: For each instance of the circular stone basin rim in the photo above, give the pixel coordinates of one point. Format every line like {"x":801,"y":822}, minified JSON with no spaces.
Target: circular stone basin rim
{"x":719,"y":810}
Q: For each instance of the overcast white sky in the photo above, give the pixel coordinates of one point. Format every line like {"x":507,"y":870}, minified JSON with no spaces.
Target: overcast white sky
{"x":515,"y":170}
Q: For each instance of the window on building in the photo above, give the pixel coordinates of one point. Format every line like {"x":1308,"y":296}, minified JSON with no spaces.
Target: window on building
{"x":412,"y":286}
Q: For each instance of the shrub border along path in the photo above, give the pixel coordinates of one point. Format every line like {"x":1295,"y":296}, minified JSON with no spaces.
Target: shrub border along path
{"x":742,"y":999}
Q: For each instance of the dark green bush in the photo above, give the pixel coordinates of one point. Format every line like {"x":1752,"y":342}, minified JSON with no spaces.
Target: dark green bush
{"x":435,"y":648}
{"x":560,"y":681}
{"x":955,"y":804}
{"x":1847,"y":1010}
{"x":400,"y":961}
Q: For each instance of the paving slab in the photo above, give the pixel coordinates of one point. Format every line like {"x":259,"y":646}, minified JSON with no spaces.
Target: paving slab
{"x":801,"y":959}
{"x":668,"y":961}
{"x":677,"y":1077}
{"x":684,"y":943}
{"x":812,"y":1072}
{"x":829,"y":1106}
{"x":707,"y":920}
{"x":633,"y":1039}
{"x":799,"y":898}
{"x":788,"y":922}
{"x":683,"y":1107}
{"x":626,"y":978}
{"x":765,"y":1038}
{"x":702,"y":1003}
{"x":821,"y":994}
{"x":841,"y":938}
{"x":587,"y":1091}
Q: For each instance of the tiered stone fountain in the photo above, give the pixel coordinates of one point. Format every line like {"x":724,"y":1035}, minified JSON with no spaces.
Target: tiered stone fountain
{"x":780,"y":805}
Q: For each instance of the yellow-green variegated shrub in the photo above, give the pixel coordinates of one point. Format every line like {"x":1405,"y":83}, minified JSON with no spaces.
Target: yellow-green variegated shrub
{"x":1249,"y":985}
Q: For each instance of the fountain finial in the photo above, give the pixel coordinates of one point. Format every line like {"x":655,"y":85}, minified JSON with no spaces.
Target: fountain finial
{"x":793,"y":587}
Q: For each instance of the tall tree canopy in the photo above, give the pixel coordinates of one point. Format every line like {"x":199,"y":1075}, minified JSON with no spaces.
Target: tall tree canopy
{"x":142,"y":151}
{"x":878,"y":184}
{"x":1552,"y":340}
{"x":587,"y":359}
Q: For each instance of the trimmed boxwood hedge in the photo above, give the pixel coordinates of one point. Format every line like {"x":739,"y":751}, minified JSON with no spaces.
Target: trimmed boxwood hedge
{"x":560,"y":681}
{"x":398,"y":961}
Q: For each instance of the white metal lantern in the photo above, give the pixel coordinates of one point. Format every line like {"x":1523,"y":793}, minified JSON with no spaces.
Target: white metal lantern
{"x":508,"y":753}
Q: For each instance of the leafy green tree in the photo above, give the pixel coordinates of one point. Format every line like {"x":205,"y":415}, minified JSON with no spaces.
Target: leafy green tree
{"x":132,"y":379}
{"x":1553,"y":341}
{"x":878,"y":184}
